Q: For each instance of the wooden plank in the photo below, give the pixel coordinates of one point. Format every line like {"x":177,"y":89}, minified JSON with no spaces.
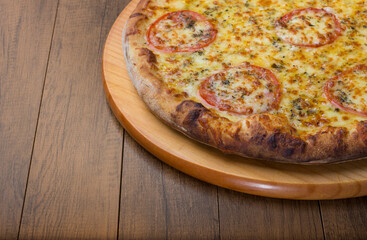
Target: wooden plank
{"x":24,"y":49}
{"x":74,"y":182}
{"x":249,"y":217}
{"x":345,"y":219}
{"x":158,"y":202}
{"x":142,"y":212}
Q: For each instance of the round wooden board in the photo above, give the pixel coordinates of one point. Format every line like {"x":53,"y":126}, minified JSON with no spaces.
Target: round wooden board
{"x":263,"y":178}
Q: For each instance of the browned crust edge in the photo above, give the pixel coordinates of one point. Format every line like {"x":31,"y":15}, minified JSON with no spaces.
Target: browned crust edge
{"x":261,"y":136}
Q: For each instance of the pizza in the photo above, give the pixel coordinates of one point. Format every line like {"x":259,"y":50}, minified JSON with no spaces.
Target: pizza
{"x":276,"y":80}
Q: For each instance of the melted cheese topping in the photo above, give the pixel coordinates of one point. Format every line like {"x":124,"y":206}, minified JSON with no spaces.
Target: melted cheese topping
{"x":247,"y":33}
{"x":242,"y":90}
{"x":308,"y":27}
{"x":183,"y":32}
{"x":350,"y":90}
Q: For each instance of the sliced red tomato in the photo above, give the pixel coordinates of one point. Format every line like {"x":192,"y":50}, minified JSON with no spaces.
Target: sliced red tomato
{"x":181,"y":31}
{"x":348,"y":90}
{"x":245,"y":89}
{"x":309,"y":27}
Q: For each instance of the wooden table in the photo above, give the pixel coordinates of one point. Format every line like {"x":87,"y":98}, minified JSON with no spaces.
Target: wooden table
{"x":69,"y":170}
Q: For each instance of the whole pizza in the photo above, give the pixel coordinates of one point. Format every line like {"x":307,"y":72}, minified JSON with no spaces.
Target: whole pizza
{"x":277,"y":80}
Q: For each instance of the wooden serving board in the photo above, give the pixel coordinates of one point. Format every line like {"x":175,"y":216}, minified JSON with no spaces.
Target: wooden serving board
{"x":263,"y":178}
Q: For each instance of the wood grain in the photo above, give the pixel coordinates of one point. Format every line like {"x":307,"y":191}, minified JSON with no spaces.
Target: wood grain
{"x":158,"y":202}
{"x":75,"y":172}
{"x":345,"y":219}
{"x":237,"y":173}
{"x":24,"y":49}
{"x":74,"y":181}
{"x":251,"y":217}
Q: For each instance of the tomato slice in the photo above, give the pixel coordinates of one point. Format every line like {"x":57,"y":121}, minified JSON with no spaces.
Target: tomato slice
{"x":181,"y":31}
{"x":308,"y":27}
{"x":245,"y":89}
{"x":348,"y":90}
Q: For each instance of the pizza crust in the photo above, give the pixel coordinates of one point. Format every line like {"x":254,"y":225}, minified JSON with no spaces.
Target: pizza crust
{"x":261,"y":136}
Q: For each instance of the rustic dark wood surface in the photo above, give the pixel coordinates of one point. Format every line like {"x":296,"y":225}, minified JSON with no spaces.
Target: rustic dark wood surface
{"x":69,"y":171}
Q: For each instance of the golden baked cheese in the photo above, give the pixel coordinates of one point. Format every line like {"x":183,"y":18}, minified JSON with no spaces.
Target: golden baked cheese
{"x":249,"y":31}
{"x":278,"y":80}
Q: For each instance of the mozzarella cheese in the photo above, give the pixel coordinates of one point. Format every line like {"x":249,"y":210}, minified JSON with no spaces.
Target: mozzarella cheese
{"x":308,"y":27}
{"x":180,"y":33}
{"x":243,"y":90}
{"x":350,"y":89}
{"x":247,"y":32}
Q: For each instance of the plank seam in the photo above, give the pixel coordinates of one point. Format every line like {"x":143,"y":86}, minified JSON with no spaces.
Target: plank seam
{"x":39,"y":111}
{"x":220,"y":236}
{"x":120,"y":193}
{"x":165,"y":201}
{"x":322,"y":220}
{"x":100,"y":49}
{"x":100,"y":31}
